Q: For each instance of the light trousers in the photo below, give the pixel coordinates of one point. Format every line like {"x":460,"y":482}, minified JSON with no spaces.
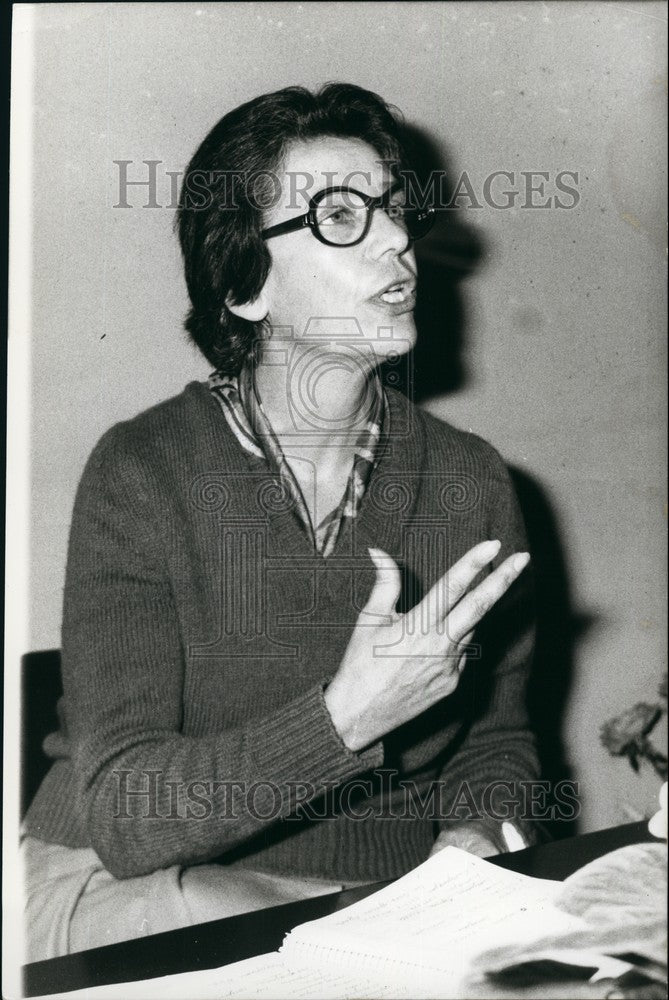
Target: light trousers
{"x":73,"y":903}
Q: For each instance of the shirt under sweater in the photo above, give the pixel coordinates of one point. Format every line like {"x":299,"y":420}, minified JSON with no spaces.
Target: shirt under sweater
{"x":243,"y":409}
{"x":200,"y":628}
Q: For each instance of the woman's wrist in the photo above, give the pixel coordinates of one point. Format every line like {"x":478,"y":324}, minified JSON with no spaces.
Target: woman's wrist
{"x":342,"y":718}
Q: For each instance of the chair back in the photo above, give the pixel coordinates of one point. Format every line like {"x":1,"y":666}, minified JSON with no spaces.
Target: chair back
{"x":41,"y":687}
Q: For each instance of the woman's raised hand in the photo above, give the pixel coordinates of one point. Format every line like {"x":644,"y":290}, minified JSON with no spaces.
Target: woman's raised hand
{"x":397,"y":666}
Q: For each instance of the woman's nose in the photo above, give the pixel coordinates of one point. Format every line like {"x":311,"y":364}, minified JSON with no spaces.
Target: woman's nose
{"x":387,"y":234}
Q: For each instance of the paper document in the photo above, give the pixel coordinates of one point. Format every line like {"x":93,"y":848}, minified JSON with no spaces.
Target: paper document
{"x":423,"y":932}
{"x":264,"y":977}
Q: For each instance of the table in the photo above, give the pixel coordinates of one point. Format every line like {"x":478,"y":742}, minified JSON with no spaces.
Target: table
{"x":219,"y":942}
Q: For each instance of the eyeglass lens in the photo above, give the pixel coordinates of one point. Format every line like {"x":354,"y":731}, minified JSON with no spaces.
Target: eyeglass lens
{"x":341,"y":217}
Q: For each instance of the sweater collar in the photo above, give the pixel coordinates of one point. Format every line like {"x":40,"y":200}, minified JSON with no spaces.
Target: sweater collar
{"x":391,"y":494}
{"x":395,"y":484}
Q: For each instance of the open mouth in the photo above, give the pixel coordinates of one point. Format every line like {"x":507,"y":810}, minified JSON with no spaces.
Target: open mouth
{"x":401,"y":291}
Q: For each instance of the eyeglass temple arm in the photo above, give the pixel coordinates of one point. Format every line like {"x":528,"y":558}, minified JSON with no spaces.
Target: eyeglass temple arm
{"x":289,"y":226}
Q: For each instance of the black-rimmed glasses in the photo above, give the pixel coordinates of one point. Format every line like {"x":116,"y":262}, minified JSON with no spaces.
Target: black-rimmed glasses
{"x":341,"y":216}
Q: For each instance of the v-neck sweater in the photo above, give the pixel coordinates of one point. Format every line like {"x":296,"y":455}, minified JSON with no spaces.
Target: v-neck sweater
{"x":200,"y":629}
{"x":242,"y":407}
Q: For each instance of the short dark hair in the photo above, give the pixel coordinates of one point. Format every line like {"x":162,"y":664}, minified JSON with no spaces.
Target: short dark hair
{"x":219,"y":219}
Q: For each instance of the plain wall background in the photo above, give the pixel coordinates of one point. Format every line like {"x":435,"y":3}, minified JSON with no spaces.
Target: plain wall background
{"x":560,"y":324}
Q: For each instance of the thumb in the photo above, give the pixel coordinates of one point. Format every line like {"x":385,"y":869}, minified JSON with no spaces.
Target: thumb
{"x":387,"y":586}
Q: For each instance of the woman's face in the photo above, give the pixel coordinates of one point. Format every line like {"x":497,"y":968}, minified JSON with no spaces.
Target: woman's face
{"x":334,"y":295}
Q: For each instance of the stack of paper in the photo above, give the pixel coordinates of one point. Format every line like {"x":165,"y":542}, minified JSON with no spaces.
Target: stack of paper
{"x":423,"y":934}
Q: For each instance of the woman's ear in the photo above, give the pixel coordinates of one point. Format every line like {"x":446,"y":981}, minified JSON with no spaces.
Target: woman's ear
{"x":254,"y":311}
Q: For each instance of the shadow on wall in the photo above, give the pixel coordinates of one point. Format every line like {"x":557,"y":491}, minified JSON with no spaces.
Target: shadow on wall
{"x":450,"y":253}
{"x":559,"y":629}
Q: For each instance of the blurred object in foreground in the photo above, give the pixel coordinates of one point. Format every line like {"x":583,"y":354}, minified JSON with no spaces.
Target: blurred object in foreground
{"x":658,"y":823}
{"x":621,"y":900}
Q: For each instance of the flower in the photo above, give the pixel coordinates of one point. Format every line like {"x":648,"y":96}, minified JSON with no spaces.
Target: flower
{"x":629,"y":728}
{"x":627,"y":735}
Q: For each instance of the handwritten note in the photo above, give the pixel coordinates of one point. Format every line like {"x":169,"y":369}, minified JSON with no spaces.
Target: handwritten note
{"x":423,"y":932}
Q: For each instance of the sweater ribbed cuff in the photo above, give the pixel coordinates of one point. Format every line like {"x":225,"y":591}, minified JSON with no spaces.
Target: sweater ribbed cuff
{"x":302,"y":736}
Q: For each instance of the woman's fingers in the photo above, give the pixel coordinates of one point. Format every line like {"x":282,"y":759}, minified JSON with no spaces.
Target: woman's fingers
{"x":480,"y":600}
{"x":449,"y":667}
{"x":462,"y":662}
{"x":445,"y":594}
{"x":387,"y":586}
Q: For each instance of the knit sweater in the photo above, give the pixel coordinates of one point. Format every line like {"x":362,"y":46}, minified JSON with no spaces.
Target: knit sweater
{"x":200,"y":628}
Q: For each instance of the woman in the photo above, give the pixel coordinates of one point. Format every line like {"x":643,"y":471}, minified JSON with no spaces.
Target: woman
{"x":274,"y":578}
